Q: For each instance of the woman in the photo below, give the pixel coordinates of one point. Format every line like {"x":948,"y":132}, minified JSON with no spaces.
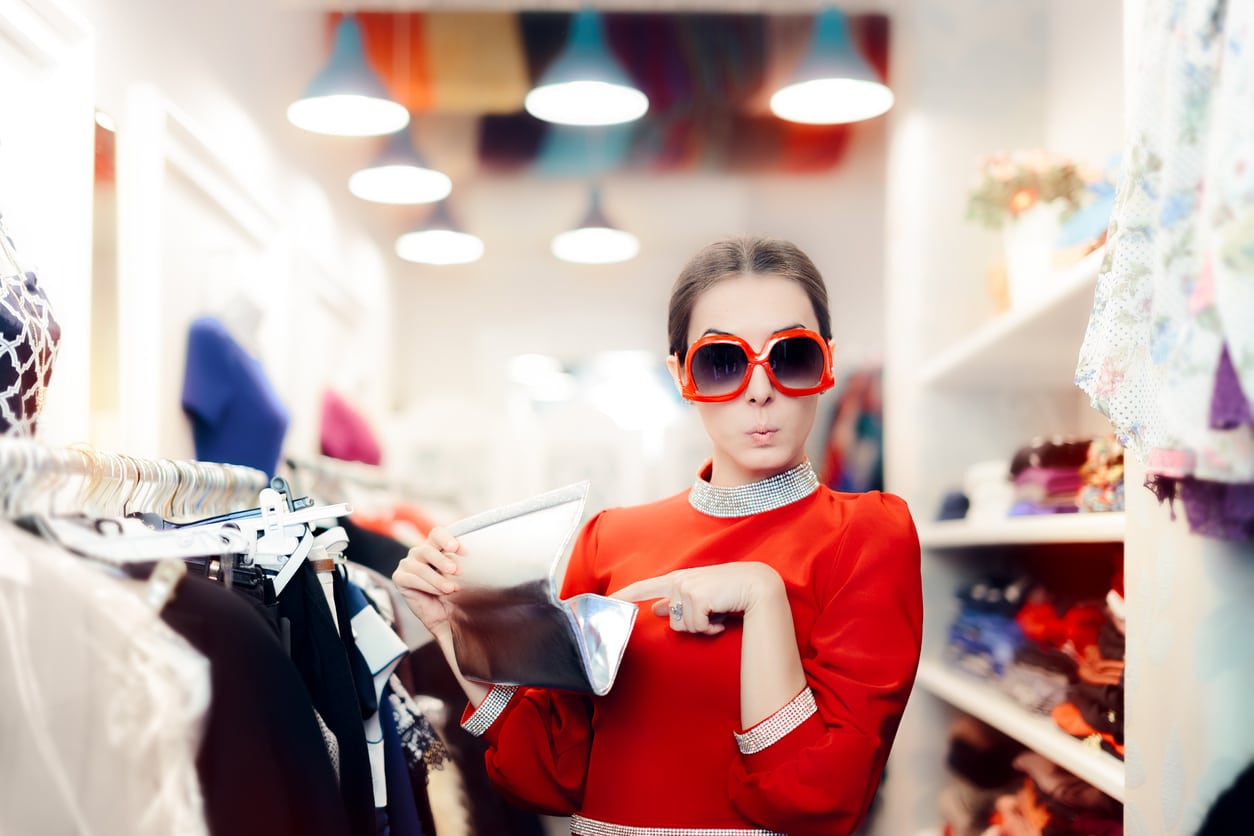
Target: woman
{"x":763,"y":692}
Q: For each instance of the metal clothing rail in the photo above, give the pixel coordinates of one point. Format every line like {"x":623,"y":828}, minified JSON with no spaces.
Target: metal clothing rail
{"x":368,"y":476}
{"x":38,"y":478}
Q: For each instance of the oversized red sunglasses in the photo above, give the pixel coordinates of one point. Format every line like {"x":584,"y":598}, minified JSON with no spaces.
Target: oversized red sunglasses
{"x":798,"y":362}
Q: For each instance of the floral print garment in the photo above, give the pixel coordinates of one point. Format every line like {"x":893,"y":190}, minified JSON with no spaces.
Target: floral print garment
{"x":1177,"y":285}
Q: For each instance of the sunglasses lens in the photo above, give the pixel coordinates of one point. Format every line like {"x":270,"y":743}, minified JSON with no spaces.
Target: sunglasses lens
{"x":718,"y":368}
{"x":797,"y":362}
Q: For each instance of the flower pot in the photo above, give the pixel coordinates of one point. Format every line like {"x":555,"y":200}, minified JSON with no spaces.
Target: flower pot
{"x":1030,"y":239}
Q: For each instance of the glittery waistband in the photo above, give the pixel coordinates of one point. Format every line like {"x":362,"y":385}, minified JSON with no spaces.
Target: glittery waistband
{"x":580,"y":826}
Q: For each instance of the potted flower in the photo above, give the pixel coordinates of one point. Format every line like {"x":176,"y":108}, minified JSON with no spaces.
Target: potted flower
{"x":1027,"y":195}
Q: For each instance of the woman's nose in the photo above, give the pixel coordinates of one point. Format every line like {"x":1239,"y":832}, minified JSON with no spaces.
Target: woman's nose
{"x":760,"y":388}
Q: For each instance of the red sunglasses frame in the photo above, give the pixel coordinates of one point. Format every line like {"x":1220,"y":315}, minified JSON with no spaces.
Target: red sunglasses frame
{"x":756,"y":358}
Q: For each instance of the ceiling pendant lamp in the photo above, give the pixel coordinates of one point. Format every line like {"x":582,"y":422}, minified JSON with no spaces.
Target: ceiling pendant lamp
{"x":833,"y":84}
{"x":595,"y":240}
{"x":346,"y":98}
{"x":586,"y":85}
{"x":439,"y":241}
{"x":400,"y":175}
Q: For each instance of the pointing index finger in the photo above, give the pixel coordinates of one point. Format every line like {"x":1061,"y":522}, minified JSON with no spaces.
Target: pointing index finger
{"x":644,"y":590}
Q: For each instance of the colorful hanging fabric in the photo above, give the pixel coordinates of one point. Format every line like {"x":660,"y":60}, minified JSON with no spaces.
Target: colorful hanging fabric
{"x":1176,"y":292}
{"x":477,"y":61}
{"x":396,"y":50}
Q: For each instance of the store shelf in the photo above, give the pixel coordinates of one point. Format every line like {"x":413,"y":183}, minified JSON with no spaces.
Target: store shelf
{"x":1045,"y":528}
{"x":1038,"y":733}
{"x":1024,"y":347}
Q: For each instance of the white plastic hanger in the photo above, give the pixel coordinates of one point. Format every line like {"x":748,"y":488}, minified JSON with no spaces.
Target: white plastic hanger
{"x":284,"y":538}
{"x":122,"y":541}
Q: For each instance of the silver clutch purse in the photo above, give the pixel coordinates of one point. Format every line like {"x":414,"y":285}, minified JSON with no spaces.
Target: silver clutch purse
{"x":509,"y":626}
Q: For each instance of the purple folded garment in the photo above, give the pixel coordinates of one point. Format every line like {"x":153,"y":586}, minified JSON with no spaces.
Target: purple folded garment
{"x":1050,"y":480}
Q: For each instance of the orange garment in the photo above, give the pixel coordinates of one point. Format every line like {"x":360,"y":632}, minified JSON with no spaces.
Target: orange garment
{"x":400,"y":522}
{"x":1099,"y":670}
{"x":658,"y":750}
{"x":1070,"y":720}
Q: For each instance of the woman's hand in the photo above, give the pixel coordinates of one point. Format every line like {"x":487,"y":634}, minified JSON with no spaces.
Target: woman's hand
{"x":426,"y":575}
{"x":696,"y":600}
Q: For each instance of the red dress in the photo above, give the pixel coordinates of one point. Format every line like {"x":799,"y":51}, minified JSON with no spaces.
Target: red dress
{"x":658,"y":751}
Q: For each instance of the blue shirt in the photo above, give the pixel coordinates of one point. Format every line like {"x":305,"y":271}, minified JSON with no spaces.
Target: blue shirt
{"x":236,"y":415}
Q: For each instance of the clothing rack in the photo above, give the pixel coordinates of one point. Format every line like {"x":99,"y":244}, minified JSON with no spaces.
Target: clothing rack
{"x":366,"y":476}
{"x":35,"y":477}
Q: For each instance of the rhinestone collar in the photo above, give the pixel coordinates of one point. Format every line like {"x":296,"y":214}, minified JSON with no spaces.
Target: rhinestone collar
{"x":744,"y":500}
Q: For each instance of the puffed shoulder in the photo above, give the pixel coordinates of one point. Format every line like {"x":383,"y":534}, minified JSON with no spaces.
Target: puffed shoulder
{"x":876,"y":509}
{"x":876,"y":533}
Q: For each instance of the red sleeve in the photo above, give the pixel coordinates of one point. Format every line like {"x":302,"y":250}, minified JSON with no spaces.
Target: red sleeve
{"x":861,"y":661}
{"x":538,"y":748}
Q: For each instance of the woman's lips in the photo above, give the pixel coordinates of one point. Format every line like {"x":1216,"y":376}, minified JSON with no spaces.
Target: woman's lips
{"x":762,"y":435}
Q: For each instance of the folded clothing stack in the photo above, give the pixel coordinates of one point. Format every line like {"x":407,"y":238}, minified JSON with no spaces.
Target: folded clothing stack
{"x":984,"y":637}
{"x":1102,"y":473}
{"x":1046,"y":475}
{"x":1093,"y":709}
{"x":1052,"y":802}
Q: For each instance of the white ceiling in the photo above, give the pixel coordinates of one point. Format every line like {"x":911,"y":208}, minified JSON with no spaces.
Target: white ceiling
{"x":745,"y":6}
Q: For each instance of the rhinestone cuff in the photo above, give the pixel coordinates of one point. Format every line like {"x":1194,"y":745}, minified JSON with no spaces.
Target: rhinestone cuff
{"x":744,"y":500}
{"x":775,"y":727}
{"x":580,"y":826}
{"x":488,"y":710}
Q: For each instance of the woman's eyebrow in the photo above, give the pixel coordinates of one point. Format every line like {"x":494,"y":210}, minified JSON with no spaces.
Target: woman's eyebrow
{"x":708,"y":331}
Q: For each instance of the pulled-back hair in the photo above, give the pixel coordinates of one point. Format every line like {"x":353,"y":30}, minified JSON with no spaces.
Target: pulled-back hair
{"x":735,"y":256}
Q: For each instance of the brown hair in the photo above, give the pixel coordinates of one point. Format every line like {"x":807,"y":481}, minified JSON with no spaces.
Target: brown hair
{"x":732,"y":257}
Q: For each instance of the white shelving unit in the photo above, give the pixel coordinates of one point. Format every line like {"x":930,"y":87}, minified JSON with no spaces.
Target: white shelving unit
{"x":1037,"y":732}
{"x":1044,"y":529}
{"x":979,"y":399}
{"x":962,"y":392}
{"x":1023,"y":347}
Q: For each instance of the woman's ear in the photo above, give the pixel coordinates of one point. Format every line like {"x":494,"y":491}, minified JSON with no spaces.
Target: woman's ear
{"x":672,"y":366}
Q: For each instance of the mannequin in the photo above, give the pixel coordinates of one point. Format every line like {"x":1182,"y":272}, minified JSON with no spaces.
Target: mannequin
{"x":29,"y":335}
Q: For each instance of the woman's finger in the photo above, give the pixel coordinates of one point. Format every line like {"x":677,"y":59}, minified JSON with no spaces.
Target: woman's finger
{"x":644,"y":590}
{"x":423,"y":578}
{"x":442,"y":540}
{"x":431,"y":556}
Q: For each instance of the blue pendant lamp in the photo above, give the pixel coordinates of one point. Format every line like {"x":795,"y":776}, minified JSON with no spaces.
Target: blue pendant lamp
{"x":586,"y":85}
{"x":346,"y":98}
{"x":400,"y":175}
{"x":439,"y":241}
{"x":595,"y":240}
{"x":833,"y":83}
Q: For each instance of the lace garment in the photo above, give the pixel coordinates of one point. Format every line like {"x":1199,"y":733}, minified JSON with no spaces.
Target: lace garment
{"x":103,"y":703}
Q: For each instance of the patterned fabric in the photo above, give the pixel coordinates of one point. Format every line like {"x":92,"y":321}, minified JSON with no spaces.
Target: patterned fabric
{"x":423,"y":747}
{"x":29,"y":336}
{"x":332,"y":743}
{"x":1177,"y":284}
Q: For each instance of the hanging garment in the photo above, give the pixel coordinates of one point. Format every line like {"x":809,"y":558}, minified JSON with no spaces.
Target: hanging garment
{"x":104,"y":704}
{"x":29,"y":336}
{"x":1169,"y":351}
{"x":319,"y":654}
{"x":853,"y":457}
{"x":236,"y":414}
{"x":264,"y":767}
{"x":345,"y":433}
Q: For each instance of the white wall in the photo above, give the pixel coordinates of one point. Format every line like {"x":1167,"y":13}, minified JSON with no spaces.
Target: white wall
{"x":222,"y":207}
{"x":46,"y":59}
